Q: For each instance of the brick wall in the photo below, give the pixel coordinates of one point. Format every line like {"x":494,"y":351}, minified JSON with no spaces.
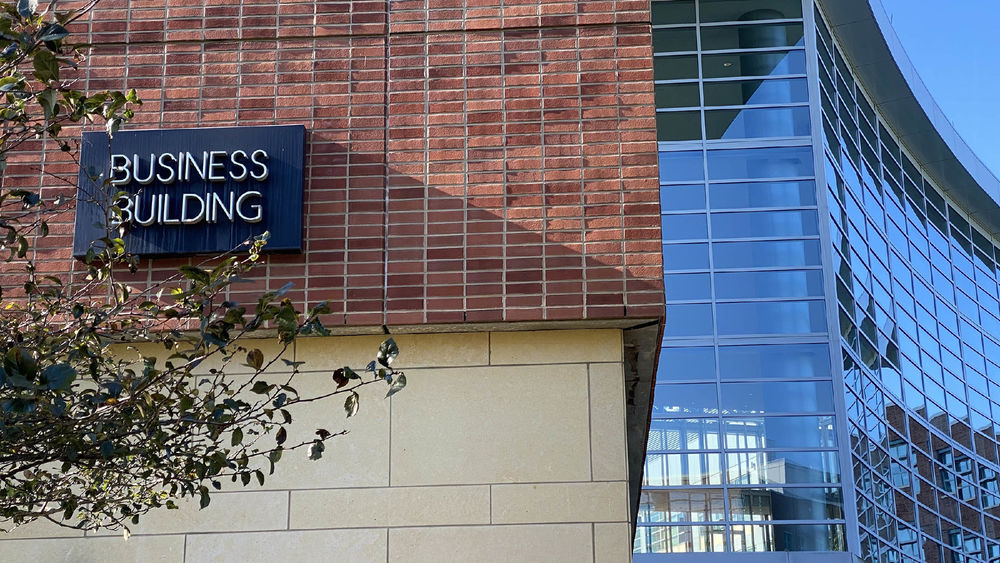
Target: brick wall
{"x":467,"y":161}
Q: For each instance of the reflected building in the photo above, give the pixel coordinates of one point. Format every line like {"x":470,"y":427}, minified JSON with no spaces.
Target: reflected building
{"x":830,"y":373}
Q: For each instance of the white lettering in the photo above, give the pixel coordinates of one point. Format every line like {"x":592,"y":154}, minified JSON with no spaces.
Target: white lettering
{"x":243,"y":169}
{"x":256,"y":207}
{"x":257,"y":157}
{"x":152,"y":211}
{"x":213,"y":164}
{"x":125,"y":205}
{"x":184,"y":209}
{"x":190,"y":160}
{"x":165,"y":204}
{"x":218,"y":203}
{"x":120,"y":168}
{"x":135,"y":169}
{"x":169,"y":179}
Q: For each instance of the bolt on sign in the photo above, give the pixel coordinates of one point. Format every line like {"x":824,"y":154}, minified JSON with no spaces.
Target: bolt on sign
{"x":191,"y":191}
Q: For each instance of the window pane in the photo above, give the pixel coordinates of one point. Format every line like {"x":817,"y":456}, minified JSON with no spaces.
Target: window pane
{"x":689,"y":320}
{"x":792,"y":283}
{"x":774,"y":361}
{"x":697,"y":505}
{"x":766,"y":254}
{"x":684,"y":166}
{"x":680,"y":435}
{"x":671,"y":470}
{"x":677,"y":95}
{"x":752,"y":36}
{"x":686,"y":364}
{"x":764,"y":224}
{"x":685,"y":256}
{"x":684,"y":227}
{"x":676,"y":67}
{"x":766,"y":63}
{"x":687,"y":287}
{"x":791,"y":317}
{"x":779,"y":432}
{"x":678,"y":125}
{"x":753,"y":92}
{"x":759,"y":468}
{"x":755,"y":123}
{"x":682,"y":198}
{"x":788,"y":537}
{"x":673,"y":12}
{"x":779,"y":162}
{"x":685,"y":399}
{"x":789,"y":503}
{"x":762,"y":194}
{"x":674,"y":39}
{"x":777,"y":397}
{"x":749,"y":10}
{"x":679,"y":539}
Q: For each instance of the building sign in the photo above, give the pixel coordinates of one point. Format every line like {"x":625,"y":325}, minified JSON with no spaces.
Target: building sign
{"x":192,"y":191}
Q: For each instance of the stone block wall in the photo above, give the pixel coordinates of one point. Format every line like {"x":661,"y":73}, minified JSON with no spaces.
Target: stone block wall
{"x":503,"y":447}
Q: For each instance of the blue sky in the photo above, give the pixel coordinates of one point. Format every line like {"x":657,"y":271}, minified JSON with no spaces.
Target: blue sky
{"x":955,"y":46}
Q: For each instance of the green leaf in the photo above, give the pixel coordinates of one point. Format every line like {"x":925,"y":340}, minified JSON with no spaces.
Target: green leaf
{"x":281,"y":436}
{"x":59,"y":376}
{"x":261,"y":388}
{"x":47,"y":99}
{"x":206,"y":499}
{"x":52,"y":32}
{"x":27,"y":8}
{"x":351,"y":404}
{"x":194,"y":273}
{"x":387,"y":352}
{"x":397,"y":385}
{"x":46,"y":67}
{"x":339,"y":378}
{"x":255,"y":359}
{"x":237,"y":437}
{"x":316,"y":450}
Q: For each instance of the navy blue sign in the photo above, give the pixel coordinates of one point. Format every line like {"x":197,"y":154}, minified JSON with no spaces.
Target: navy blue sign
{"x":192,"y":191}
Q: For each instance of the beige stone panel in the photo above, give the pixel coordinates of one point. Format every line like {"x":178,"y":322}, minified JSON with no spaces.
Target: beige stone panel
{"x":147,"y":549}
{"x":228,"y":512}
{"x":39,"y":529}
{"x":491,"y":425}
{"x":565,"y":543}
{"x":270,"y":347}
{"x":560,"y":502}
{"x":332,"y":352}
{"x":358,"y":459}
{"x":415,"y":350}
{"x":556,"y":346}
{"x":612,"y":543}
{"x":362,"y":546}
{"x":390,"y":507}
{"x":443,"y":350}
{"x":607,"y":422}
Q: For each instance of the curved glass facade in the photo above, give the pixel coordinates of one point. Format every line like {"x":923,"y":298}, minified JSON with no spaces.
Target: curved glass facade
{"x":919,"y":324}
{"x":829,"y":378}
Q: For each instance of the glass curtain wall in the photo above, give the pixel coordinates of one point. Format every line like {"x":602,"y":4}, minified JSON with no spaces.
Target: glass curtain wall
{"x":919,"y":316}
{"x":742,"y":453}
